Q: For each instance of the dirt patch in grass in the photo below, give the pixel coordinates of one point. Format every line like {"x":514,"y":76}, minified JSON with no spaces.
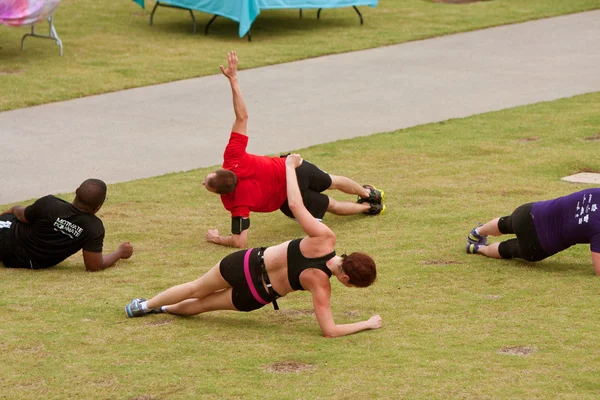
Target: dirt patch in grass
{"x":158,"y":323}
{"x":352,"y":313}
{"x":528,"y":139}
{"x":588,"y":170}
{"x":11,"y":71}
{"x":493,"y":297}
{"x":144,"y":397}
{"x":296,"y":313}
{"x":517,"y":350}
{"x":440,"y":262}
{"x":457,"y":1}
{"x":593,"y":138}
{"x":288,"y":366}
{"x":284,"y":315}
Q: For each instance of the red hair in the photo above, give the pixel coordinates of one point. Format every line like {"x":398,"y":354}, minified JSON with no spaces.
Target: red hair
{"x":360,"y":268}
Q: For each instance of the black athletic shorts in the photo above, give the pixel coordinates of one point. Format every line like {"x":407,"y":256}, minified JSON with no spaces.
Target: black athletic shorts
{"x":11,"y":255}
{"x":311,"y":181}
{"x":243,"y":271}
{"x":527,"y":245}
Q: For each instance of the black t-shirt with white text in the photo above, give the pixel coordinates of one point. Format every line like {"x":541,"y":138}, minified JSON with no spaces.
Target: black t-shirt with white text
{"x":57,"y":230}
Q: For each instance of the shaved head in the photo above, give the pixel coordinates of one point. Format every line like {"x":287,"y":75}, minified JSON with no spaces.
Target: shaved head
{"x":91,"y":193}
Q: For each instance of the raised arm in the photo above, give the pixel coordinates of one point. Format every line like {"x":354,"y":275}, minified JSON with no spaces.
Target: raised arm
{"x":98,"y":261}
{"x":317,"y":283}
{"x":239,"y":105}
{"x":18,"y":211}
{"x":310,"y":225}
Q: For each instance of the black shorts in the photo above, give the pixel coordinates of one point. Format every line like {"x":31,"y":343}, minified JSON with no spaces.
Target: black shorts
{"x":11,"y":255}
{"x":527,"y":245}
{"x":311,"y":181}
{"x":243,"y":271}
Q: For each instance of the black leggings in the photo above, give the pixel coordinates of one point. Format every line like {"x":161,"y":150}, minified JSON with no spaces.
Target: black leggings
{"x":526,"y":245}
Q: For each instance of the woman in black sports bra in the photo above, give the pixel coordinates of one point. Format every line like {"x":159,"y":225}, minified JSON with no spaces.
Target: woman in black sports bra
{"x":249,"y":279}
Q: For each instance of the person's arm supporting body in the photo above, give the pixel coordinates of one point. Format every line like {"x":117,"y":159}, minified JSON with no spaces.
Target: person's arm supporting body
{"x":321,"y":294}
{"x":596,"y":261}
{"x":239,"y":104}
{"x":19,"y":212}
{"x":235,"y":240}
{"x":97,"y":261}
{"x":322,"y":238}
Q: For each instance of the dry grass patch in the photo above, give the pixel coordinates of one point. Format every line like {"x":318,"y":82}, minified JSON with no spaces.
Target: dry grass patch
{"x":457,"y":1}
{"x":440,"y":262}
{"x":160,"y":322}
{"x":528,"y":139}
{"x":593,"y":138}
{"x":517,"y":350}
{"x":284,"y":367}
{"x":493,"y":297}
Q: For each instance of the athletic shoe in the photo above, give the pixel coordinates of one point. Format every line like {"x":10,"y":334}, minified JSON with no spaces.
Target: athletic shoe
{"x":472,"y":248}
{"x":375,"y":209}
{"x":134,"y":309}
{"x":476,"y":238}
{"x":375,"y":195}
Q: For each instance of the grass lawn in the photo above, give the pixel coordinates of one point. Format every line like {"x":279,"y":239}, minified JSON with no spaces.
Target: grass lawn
{"x":455,"y":325}
{"x":110,"y":46}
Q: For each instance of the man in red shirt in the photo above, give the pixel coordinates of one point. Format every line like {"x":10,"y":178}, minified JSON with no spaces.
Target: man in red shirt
{"x":248,"y":182}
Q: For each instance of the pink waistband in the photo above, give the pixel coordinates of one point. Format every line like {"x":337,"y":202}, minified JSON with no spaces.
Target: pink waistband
{"x":249,"y":278}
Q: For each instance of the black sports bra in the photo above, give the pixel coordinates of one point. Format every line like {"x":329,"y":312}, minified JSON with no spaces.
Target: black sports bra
{"x":297,"y":263}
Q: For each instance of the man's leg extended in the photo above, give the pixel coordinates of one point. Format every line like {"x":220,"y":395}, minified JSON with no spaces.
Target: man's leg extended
{"x":348,"y":186}
{"x":347,"y":207}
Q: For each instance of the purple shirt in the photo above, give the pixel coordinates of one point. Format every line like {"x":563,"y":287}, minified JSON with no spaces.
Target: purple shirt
{"x":560,"y":223}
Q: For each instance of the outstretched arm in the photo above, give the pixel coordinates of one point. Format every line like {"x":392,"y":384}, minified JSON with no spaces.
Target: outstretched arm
{"x":239,"y":241}
{"x":18,"y":211}
{"x":239,"y":105}
{"x":321,"y":292}
{"x":98,"y":261}
{"x":310,"y":225}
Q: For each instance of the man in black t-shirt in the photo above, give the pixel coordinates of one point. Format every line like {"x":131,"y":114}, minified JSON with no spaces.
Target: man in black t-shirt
{"x":51,"y":229}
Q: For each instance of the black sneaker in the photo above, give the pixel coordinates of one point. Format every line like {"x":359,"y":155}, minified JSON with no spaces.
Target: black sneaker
{"x":375,"y":209}
{"x":375,"y":195}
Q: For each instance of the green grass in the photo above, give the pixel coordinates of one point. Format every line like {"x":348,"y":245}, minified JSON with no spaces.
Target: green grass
{"x":446,"y":314}
{"x":110,"y":46}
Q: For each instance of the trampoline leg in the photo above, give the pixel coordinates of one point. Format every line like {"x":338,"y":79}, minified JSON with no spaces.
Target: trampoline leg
{"x":52,"y":34}
{"x":300,"y":13}
{"x":355,"y":9}
{"x":209,"y":24}
{"x":359,"y":14}
{"x":153,"y":10}
{"x":170,"y":6}
{"x":194,"y":21}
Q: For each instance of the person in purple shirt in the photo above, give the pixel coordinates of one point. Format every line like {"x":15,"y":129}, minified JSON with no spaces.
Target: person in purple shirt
{"x":543,"y":228}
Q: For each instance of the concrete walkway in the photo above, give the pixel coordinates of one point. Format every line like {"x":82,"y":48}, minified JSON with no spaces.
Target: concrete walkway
{"x":185,"y":125}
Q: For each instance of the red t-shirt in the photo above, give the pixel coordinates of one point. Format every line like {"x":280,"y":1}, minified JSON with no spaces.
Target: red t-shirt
{"x":261,"y":179}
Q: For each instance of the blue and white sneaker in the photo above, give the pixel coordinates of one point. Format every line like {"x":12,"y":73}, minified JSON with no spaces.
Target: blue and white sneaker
{"x":475,"y":238}
{"x":134,"y":309}
{"x":472,"y":248}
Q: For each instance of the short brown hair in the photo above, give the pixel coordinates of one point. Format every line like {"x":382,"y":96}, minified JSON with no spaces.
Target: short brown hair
{"x":223,"y":182}
{"x":360,"y":268}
